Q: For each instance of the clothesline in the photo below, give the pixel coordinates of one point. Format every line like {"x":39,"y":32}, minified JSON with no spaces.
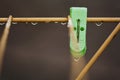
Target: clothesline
{"x":59,"y":19}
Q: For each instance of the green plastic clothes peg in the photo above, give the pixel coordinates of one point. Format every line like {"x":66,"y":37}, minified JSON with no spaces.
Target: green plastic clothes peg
{"x":78,"y":17}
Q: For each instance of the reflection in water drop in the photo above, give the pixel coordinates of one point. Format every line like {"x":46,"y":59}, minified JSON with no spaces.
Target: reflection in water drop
{"x":35,"y":23}
{"x":76,"y":59}
{"x":14,"y":22}
{"x":2,"y":24}
{"x":76,"y":67}
{"x":63,"y":23}
{"x":99,"y":24}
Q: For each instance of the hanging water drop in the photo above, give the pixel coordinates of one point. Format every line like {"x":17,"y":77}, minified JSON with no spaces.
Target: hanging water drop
{"x":2,"y":24}
{"x":14,"y":22}
{"x":35,"y":23}
{"x":63,"y":23}
{"x":99,"y":24}
{"x":26,"y":22}
{"x":56,"y":22}
{"x":47,"y":22}
{"x":76,"y":59}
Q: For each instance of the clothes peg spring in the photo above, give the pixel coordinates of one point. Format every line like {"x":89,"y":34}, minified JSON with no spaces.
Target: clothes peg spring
{"x":78,"y":20}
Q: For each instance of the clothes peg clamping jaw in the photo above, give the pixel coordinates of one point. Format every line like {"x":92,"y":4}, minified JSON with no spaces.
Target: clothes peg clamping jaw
{"x":78,"y":16}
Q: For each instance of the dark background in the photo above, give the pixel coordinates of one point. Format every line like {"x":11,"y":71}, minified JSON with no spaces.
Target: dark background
{"x":41,"y":52}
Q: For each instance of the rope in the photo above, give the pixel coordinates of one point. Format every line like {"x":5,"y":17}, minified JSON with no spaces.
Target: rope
{"x":98,"y":53}
{"x":3,"y":41}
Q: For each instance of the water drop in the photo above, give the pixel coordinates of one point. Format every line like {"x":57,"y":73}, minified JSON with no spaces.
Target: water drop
{"x":76,"y":59}
{"x":99,"y":24}
{"x":2,"y":24}
{"x":26,"y":22}
{"x":56,"y":22}
{"x":47,"y":22}
{"x":34,"y":23}
{"x":14,"y":22}
{"x":63,"y":23}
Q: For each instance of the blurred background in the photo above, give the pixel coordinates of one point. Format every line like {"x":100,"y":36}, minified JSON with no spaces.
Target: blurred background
{"x":41,"y":52}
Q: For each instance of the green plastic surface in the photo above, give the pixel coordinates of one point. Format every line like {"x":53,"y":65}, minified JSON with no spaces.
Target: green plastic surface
{"x":79,"y":20}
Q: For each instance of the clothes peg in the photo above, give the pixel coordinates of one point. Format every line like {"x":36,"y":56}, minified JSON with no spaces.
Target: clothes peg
{"x":78,"y":17}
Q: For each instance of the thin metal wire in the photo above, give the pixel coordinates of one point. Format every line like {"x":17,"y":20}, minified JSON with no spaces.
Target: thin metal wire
{"x":3,"y":41}
{"x":60,"y":19}
{"x":98,"y":53}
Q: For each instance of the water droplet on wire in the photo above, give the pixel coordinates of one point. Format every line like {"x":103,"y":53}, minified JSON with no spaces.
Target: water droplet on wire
{"x":76,"y":59}
{"x":99,"y":24}
{"x":63,"y":23}
{"x":35,"y":23}
{"x":14,"y":22}
{"x":56,"y":22}
{"x":2,"y":24}
{"x":26,"y":22}
{"x":47,"y":22}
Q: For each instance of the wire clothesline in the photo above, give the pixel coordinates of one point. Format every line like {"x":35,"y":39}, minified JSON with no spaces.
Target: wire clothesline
{"x":59,"y":19}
